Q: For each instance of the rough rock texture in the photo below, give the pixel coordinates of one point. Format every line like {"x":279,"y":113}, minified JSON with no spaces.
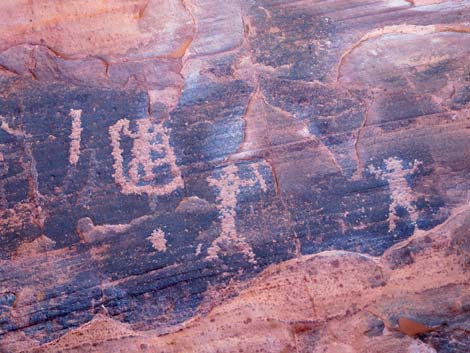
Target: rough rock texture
{"x":236,"y":176}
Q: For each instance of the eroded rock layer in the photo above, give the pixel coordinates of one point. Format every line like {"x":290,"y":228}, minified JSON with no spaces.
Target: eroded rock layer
{"x":256,"y":176}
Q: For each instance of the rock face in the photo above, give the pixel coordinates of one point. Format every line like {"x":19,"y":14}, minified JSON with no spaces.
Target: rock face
{"x":238,"y":176}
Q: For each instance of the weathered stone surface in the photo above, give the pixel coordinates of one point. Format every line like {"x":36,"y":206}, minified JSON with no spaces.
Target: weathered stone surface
{"x":334,"y":301}
{"x":271,"y":176}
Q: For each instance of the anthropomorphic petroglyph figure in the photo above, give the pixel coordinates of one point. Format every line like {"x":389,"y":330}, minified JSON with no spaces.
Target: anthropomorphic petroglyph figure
{"x":229,"y":185}
{"x":402,"y":195}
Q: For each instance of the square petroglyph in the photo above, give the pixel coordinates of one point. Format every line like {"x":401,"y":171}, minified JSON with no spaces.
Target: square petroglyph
{"x":150,"y":165}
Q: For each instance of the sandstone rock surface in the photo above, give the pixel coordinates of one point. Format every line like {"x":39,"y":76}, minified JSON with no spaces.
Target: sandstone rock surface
{"x":239,"y":176}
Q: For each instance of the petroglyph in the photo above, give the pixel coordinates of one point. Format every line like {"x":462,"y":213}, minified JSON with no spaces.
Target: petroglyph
{"x":75,"y":136}
{"x":4,"y":125}
{"x":157,"y":238}
{"x":89,"y":232}
{"x":229,"y":186}
{"x":401,"y":193}
{"x":150,"y":153}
